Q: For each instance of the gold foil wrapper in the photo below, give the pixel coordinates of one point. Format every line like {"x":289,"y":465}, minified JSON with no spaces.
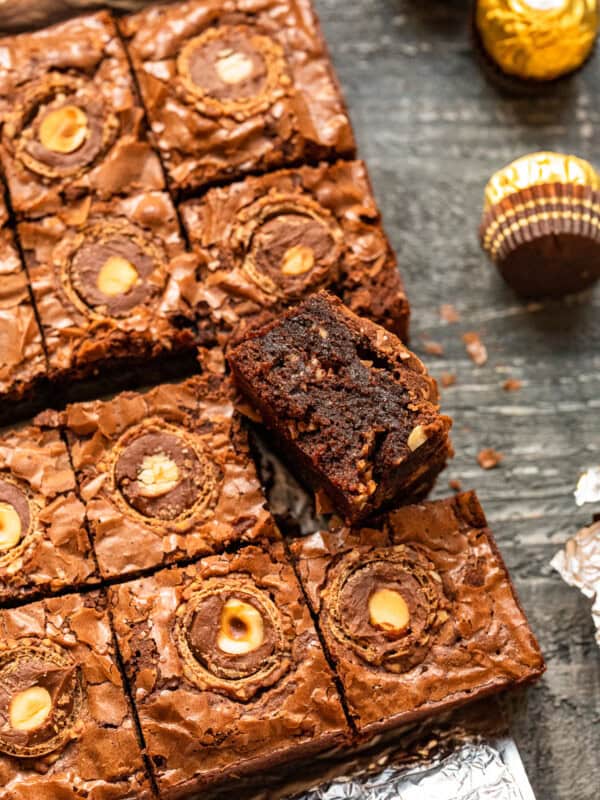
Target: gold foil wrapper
{"x":537,"y":169}
{"x":538,"y":39}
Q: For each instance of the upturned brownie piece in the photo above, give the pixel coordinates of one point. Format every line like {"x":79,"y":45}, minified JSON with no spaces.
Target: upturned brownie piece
{"x":166,"y":475}
{"x":227,"y":672}
{"x":71,"y":122}
{"x":66,"y":727}
{"x":418,"y":612}
{"x":43,"y":542}
{"x":267,"y":242}
{"x":113,"y":286}
{"x":354,"y":411}
{"x":237,"y":87}
{"x":22,"y":361}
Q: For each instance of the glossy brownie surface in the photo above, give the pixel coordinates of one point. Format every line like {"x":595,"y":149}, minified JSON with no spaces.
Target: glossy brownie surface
{"x":229,"y":710}
{"x":113,"y":283}
{"x":463,"y":635}
{"x":354,"y":410}
{"x":267,"y":242}
{"x":83,"y":741}
{"x":166,"y":475}
{"x":71,"y":122}
{"x":236,"y":87}
{"x":44,"y":543}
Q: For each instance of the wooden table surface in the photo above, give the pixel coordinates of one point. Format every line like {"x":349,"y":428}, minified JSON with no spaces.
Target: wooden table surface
{"x":432,"y":131}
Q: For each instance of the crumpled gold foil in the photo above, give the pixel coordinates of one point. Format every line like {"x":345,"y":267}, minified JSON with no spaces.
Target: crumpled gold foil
{"x":538,"y":39}
{"x":536,"y":169}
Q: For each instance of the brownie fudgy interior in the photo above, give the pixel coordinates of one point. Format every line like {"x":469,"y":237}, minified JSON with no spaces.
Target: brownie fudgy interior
{"x":355,"y":411}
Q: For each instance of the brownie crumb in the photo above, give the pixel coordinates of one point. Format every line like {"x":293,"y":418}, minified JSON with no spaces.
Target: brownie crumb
{"x":455,"y":485}
{"x":489,"y":458}
{"x":512,"y":385}
{"x":447,"y":379}
{"x":448,"y":313}
{"x":433,"y":348}
{"x":475,"y":348}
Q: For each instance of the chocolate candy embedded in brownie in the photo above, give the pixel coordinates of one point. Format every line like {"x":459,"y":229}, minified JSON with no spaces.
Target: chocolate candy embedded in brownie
{"x":71,"y":122}
{"x":354,"y":411}
{"x":166,"y":475}
{"x":44,"y":546}
{"x":22,"y":362}
{"x":66,"y":728}
{"x":418,"y":612}
{"x":267,"y":242}
{"x":236,"y":88}
{"x":114,"y":286}
{"x":227,"y":672}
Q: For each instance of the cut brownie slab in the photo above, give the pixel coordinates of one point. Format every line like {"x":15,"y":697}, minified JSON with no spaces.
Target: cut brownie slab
{"x":165,"y":475}
{"x":236,"y":87}
{"x":71,"y":122}
{"x":418,"y":612}
{"x":22,"y":362}
{"x":354,"y":411}
{"x":66,"y":728}
{"x":227,"y":672}
{"x":269,"y":241}
{"x":44,"y":546}
{"x":113,"y":285}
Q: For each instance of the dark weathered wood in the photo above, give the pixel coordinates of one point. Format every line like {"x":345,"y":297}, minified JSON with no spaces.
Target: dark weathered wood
{"x":432,"y":131}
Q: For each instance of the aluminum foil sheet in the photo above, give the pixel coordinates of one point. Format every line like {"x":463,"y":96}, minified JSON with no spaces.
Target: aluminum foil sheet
{"x":579,"y":565}
{"x":487,"y":771}
{"x":588,"y":487}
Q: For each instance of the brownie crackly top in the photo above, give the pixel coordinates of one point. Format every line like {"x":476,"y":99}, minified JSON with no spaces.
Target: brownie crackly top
{"x":71,"y":121}
{"x":418,"y":609}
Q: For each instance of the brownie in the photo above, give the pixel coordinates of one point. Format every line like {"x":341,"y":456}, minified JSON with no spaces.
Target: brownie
{"x":227,"y":672}
{"x":66,"y":727}
{"x":71,"y":122}
{"x":353,"y":410}
{"x":113,"y":285}
{"x":44,"y":546}
{"x":418,"y":612}
{"x":237,"y":87}
{"x":22,"y":361}
{"x":165,"y":475}
{"x":267,"y":242}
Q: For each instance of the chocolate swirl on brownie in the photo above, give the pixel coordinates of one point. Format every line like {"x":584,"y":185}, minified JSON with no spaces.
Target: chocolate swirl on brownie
{"x":17,"y":516}
{"x":291,"y":245}
{"x":112,"y":268}
{"x":41,"y":695}
{"x":161,"y":472}
{"x":386,"y":605}
{"x":231,"y":639}
{"x":64,"y":127}
{"x":233,"y":71}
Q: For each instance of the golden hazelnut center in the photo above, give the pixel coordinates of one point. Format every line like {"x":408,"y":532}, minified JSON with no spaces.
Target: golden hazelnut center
{"x":388,"y":611}
{"x":233,"y":67}
{"x":117,"y":276}
{"x":417,"y":438}
{"x":30,"y":709}
{"x":241,"y":630}
{"x":10,"y":527}
{"x":158,"y":475}
{"x":297,"y":260}
{"x":64,"y":130}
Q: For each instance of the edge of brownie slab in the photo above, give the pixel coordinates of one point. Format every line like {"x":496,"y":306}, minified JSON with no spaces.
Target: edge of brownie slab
{"x":352,"y":409}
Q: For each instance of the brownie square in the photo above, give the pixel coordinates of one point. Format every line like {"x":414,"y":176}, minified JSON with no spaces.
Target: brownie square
{"x":418,"y":612}
{"x":237,"y":87}
{"x":227,"y":673}
{"x":22,"y":361}
{"x":267,"y":242}
{"x":71,"y":122}
{"x":44,"y":546}
{"x":113,"y":285}
{"x":165,"y":475}
{"x":66,"y":727}
{"x":353,"y":410}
